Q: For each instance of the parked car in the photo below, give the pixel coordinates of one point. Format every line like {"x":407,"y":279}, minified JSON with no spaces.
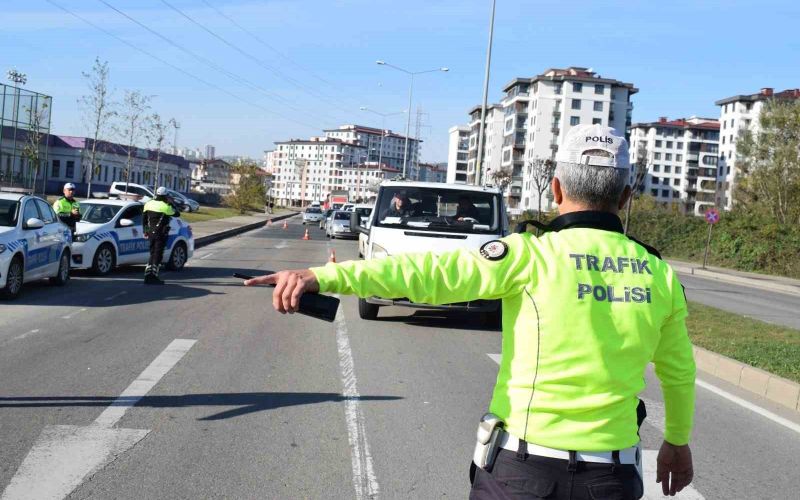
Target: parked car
{"x":428,"y":222}
{"x":136,"y":192}
{"x":188,"y":204}
{"x":311,"y":215}
{"x":338,"y":225}
{"x":325,"y":217}
{"x":110,"y":233}
{"x":34,"y":243}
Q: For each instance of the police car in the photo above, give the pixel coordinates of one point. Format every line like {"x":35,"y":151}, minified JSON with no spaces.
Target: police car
{"x":110,"y":233}
{"x":34,"y":243}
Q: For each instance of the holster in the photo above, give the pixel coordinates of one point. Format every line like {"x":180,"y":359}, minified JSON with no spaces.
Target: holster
{"x":486,"y":445}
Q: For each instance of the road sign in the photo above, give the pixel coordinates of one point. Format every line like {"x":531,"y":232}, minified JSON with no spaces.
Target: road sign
{"x":712,"y":216}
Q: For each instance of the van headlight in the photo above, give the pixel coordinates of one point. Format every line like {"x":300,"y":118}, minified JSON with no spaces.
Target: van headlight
{"x":378,"y":252}
{"x":82,"y":238}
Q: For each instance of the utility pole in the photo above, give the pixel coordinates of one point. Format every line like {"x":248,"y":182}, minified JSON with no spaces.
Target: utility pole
{"x":482,"y":128}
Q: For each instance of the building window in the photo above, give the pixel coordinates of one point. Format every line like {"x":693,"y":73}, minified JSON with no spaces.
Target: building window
{"x":656,"y":168}
{"x":658,"y":144}
{"x":656,"y":156}
{"x":557,"y":88}
{"x":574,"y":120}
{"x":598,"y":105}
{"x":597,"y":121}
{"x":678,"y":170}
{"x":576,"y":104}
{"x":654,"y":192}
{"x":668,"y":156}
{"x":56,"y":170}
{"x":676,"y":182}
{"x":70,"y":173}
{"x":667,"y":169}
{"x":599,"y":88}
{"x":723,"y":139}
{"x":669,"y":144}
{"x":665,"y":193}
{"x":656,"y":180}
{"x":577,"y":87}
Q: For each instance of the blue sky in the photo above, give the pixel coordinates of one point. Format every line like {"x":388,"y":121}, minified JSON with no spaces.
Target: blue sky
{"x":682,"y":55}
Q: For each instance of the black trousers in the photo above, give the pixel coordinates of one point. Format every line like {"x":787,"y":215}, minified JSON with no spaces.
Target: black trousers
{"x":157,"y":244}
{"x":543,"y":477}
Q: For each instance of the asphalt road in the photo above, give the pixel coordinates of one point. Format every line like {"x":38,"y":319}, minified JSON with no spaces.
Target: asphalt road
{"x":258,"y":405}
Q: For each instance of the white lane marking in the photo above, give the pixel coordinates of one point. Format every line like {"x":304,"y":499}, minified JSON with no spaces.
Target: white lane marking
{"x":282,"y":244}
{"x":64,"y":456}
{"x":18,"y":337}
{"x":364,"y":479}
{"x":206,"y":255}
{"x":750,"y":406}
{"x":655,"y":417}
{"x":116,"y":295}
{"x":168,"y":358}
{"x":70,"y":315}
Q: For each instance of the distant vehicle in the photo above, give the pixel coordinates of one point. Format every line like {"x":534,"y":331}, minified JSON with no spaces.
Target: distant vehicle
{"x":34,"y":243}
{"x":316,"y":204}
{"x":338,"y":225}
{"x":188,"y":204}
{"x":326,"y":215}
{"x":364,"y":212}
{"x":135,"y":192}
{"x":110,"y":234}
{"x":348,"y":207}
{"x":434,"y":217}
{"x":312,"y":214}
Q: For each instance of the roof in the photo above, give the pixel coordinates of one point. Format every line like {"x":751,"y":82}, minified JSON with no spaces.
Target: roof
{"x":116,"y":203}
{"x":441,"y":185}
{"x":573,"y":73}
{"x":477,"y":107}
{"x":762,"y":95}
{"x":679,"y":123}
{"x":368,"y":130}
{"x":5,"y":195}
{"x":75,"y":142}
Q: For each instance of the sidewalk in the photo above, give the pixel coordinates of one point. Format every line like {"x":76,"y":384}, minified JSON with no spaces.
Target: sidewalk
{"x":755,"y":280}
{"x":209,"y":231}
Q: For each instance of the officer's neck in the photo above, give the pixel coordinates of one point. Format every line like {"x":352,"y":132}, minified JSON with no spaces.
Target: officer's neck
{"x":568,"y":206}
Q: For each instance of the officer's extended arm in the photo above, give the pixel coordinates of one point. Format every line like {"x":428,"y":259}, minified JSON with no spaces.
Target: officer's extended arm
{"x":450,"y":277}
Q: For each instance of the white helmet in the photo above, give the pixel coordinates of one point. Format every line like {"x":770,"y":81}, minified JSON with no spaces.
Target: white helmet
{"x":161,"y":191}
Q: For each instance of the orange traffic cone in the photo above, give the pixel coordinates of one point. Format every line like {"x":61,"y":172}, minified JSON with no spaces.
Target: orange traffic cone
{"x":285,"y":225}
{"x":332,"y":258}
{"x":269,"y":222}
{"x":306,"y":236}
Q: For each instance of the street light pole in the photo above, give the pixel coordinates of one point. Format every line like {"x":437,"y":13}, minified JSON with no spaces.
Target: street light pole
{"x":410,"y":93}
{"x":482,"y":125}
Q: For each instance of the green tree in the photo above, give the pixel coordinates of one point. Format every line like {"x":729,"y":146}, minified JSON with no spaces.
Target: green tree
{"x":769,"y":163}
{"x":249,"y":190}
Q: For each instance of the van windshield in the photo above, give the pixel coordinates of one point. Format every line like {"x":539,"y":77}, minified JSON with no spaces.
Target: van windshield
{"x":437,"y":209}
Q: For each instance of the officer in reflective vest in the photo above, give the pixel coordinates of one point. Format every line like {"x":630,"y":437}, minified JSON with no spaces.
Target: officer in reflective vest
{"x":585,"y":309}
{"x":67,"y":207}
{"x":157,"y":215}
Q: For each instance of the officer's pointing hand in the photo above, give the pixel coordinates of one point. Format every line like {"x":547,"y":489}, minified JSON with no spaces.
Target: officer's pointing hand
{"x":289,"y":287}
{"x":677,"y":462}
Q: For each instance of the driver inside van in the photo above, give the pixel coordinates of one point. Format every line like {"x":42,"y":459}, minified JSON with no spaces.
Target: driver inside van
{"x":400,"y":206}
{"x":466,"y":209}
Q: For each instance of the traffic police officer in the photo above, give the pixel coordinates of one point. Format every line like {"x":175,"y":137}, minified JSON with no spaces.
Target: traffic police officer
{"x":585,"y":309}
{"x":157,"y":215}
{"x":67,"y":207}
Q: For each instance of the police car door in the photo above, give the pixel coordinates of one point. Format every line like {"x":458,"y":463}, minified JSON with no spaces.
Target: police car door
{"x":36,"y":247}
{"x":132,"y":247}
{"x":53,"y":237}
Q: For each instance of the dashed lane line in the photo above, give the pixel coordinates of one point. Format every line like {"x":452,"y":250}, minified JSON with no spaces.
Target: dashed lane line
{"x":73,"y":314}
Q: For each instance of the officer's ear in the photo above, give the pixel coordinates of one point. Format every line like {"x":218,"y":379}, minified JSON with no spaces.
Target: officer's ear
{"x":558,"y":194}
{"x":623,"y":199}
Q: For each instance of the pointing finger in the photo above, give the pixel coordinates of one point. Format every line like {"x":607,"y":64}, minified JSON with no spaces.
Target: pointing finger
{"x":267,"y":279}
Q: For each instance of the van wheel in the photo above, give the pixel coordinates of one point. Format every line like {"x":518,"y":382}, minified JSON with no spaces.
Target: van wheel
{"x":14,"y":279}
{"x":367,"y":310}
{"x":62,"y":277}
{"x":104,"y":260}
{"x":178,"y":257}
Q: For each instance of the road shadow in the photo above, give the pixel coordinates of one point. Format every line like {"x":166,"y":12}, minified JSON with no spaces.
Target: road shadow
{"x":441,"y":319}
{"x":242,"y":403}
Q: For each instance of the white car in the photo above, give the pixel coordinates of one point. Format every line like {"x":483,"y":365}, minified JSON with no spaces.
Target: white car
{"x":131,"y":192}
{"x":312,"y":214}
{"x":338,"y":225}
{"x":34,"y":243}
{"x":110,"y":233}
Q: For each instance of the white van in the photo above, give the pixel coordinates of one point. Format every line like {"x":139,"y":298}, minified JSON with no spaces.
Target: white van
{"x":432,"y":217}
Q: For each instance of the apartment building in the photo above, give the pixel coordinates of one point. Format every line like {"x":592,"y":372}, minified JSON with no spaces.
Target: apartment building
{"x":457,"y":153}
{"x":382,"y":146}
{"x":432,"y":172}
{"x":739,"y":113}
{"x":681,"y":158}
{"x":534,"y":116}
{"x":212,"y":176}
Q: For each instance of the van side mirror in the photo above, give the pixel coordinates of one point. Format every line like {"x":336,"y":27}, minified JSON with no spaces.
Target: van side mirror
{"x":355,"y":223}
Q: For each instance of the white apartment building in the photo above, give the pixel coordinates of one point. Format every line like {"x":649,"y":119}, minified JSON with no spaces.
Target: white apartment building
{"x":457,"y":153}
{"x":268,"y":162}
{"x":681,"y":160}
{"x":739,"y":113}
{"x":534,"y":116}
{"x":382,"y":146}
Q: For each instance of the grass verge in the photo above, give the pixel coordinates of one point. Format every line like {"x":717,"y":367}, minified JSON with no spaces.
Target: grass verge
{"x":210,"y":213}
{"x":773,"y":348}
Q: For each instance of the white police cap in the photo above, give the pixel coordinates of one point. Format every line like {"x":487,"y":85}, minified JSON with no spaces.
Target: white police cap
{"x":161,"y":191}
{"x":583,"y":138}
{"x":69,"y":185}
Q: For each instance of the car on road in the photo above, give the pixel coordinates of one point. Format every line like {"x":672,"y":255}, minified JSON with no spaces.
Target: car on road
{"x":34,"y":243}
{"x":326,"y":215}
{"x":187,"y":204}
{"x":434,"y":217}
{"x":111,"y":233}
{"x":338,"y":225}
{"x":311,"y":215}
{"x":136,"y":192}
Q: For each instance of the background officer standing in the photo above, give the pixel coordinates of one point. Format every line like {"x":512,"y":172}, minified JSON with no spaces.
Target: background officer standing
{"x":67,"y":207}
{"x":157,"y":215}
{"x":585,"y":309}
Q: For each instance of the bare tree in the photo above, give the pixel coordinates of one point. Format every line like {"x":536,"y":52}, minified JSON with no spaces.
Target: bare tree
{"x":133,"y":116}
{"x":502,"y":177}
{"x":542,"y":171}
{"x":639,"y":171}
{"x":156,"y":136}
{"x":32,"y":150}
{"x":98,"y":110}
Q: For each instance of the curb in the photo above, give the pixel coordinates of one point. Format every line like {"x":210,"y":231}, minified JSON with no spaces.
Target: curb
{"x":212,"y":238}
{"x":774,"y":388}
{"x":739,"y":280}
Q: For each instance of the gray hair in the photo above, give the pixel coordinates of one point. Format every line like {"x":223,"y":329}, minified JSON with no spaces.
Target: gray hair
{"x":600,"y":188}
